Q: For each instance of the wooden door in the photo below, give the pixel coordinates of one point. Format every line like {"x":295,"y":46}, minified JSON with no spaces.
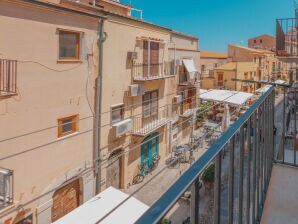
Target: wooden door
{"x":220,"y":79}
{"x":153,"y":60}
{"x":65,"y":200}
{"x":114,"y":170}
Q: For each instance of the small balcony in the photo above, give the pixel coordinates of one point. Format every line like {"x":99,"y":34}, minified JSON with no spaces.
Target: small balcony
{"x":146,"y":72}
{"x":8,"y":77}
{"x":188,"y":107}
{"x":143,"y":126}
{"x":286,"y":38}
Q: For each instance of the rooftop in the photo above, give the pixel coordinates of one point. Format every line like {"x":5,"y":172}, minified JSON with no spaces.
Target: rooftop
{"x":228,"y":66}
{"x":253,"y":50}
{"x":212,"y":54}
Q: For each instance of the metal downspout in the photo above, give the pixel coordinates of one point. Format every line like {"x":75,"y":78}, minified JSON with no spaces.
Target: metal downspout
{"x":97,"y":129}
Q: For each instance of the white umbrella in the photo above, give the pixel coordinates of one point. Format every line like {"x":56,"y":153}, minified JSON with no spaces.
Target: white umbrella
{"x":226,"y":119}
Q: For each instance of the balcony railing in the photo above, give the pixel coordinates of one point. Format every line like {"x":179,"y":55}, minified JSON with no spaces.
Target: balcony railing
{"x":146,"y":125}
{"x":189,"y":106}
{"x":235,"y":172}
{"x":286,"y":37}
{"x":143,"y":72}
{"x":8,"y":77}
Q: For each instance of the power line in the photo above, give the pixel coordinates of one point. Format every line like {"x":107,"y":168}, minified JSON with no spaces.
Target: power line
{"x":82,"y":173}
{"x":55,"y":126}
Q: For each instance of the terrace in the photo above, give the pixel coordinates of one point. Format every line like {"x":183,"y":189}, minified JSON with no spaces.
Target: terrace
{"x":255,"y":174}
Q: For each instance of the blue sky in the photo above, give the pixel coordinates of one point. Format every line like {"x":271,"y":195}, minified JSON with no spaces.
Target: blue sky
{"x":217,"y":22}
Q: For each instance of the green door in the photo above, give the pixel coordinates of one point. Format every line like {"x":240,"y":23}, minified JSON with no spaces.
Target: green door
{"x":149,"y":149}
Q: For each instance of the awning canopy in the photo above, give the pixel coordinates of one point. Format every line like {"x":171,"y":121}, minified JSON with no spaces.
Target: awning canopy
{"x":189,"y":65}
{"x":97,"y":207}
{"x":280,"y":81}
{"x":263,"y":89}
{"x":225,"y":96}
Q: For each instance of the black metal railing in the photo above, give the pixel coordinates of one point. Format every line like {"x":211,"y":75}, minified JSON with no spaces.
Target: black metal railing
{"x":143,"y":125}
{"x":228,"y":183}
{"x":286,"y":152}
{"x":8,"y":76}
{"x":286,"y":37}
{"x":143,"y":71}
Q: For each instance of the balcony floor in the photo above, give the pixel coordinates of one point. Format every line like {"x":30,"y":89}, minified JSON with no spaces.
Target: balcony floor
{"x":281,"y":205}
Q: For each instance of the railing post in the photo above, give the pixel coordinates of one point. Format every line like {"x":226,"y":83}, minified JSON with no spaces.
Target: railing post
{"x":195,"y":202}
{"x":248,"y":170}
{"x":284,"y":125}
{"x":254,"y":162}
{"x":240,"y":190}
{"x":217,"y":184}
{"x":231,"y":182}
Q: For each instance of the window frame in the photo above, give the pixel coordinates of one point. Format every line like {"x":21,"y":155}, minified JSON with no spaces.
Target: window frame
{"x":150,"y":104}
{"x":74,"y":125}
{"x":78,"y":45}
{"x":121,"y":108}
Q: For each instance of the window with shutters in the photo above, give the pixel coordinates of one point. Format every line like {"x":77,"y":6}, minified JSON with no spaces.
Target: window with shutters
{"x":6,"y":187}
{"x":220,"y":81}
{"x":68,"y":125}
{"x":150,"y":104}
{"x":151,"y":58}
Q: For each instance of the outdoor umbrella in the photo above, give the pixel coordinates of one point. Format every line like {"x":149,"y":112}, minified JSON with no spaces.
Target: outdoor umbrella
{"x":226,"y":119}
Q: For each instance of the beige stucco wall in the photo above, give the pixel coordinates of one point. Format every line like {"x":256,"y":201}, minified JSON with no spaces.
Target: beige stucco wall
{"x":47,"y":90}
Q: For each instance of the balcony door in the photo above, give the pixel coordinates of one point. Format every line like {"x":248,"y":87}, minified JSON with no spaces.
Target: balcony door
{"x":220,"y":81}
{"x":152,"y":57}
{"x":189,"y":99}
{"x":149,"y":149}
{"x":150,"y":108}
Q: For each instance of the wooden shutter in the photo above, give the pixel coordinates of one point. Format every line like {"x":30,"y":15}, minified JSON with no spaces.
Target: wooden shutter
{"x":154,"y":103}
{"x":146,"y":105}
{"x":145,"y":58}
{"x":154,"y":58}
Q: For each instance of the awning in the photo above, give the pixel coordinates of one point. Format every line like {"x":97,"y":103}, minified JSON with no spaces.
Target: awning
{"x":263,"y":89}
{"x":280,"y":81}
{"x":97,"y":207}
{"x":226,"y":96}
{"x":189,"y":65}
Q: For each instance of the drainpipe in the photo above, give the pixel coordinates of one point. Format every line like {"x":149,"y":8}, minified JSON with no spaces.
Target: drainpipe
{"x":97,"y":129}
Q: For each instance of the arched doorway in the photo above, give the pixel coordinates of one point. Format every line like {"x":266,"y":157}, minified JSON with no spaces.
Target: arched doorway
{"x":66,"y":199}
{"x":149,"y":149}
{"x":114,"y":169}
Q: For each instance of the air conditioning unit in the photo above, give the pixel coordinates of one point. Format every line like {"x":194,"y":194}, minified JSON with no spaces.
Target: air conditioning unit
{"x":177,"y":99}
{"x":122,"y":127}
{"x":136,"y":90}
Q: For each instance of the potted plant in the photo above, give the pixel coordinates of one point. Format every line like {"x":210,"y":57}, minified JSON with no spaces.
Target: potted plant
{"x":199,"y":121}
{"x":208,"y":177}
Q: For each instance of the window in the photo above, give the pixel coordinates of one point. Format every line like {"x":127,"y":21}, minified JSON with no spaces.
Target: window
{"x":261,"y":41}
{"x":68,"y":125}
{"x":5,"y":187}
{"x":273,"y":66}
{"x":117,"y":113}
{"x":255,"y":41}
{"x":150,"y":104}
{"x":215,"y":65}
{"x":69,"y":45}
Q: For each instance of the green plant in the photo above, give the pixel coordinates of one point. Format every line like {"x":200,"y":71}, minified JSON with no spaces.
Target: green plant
{"x":200,"y":118}
{"x":276,"y":91}
{"x":205,"y":107}
{"x":164,"y":221}
{"x":209,"y":174}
